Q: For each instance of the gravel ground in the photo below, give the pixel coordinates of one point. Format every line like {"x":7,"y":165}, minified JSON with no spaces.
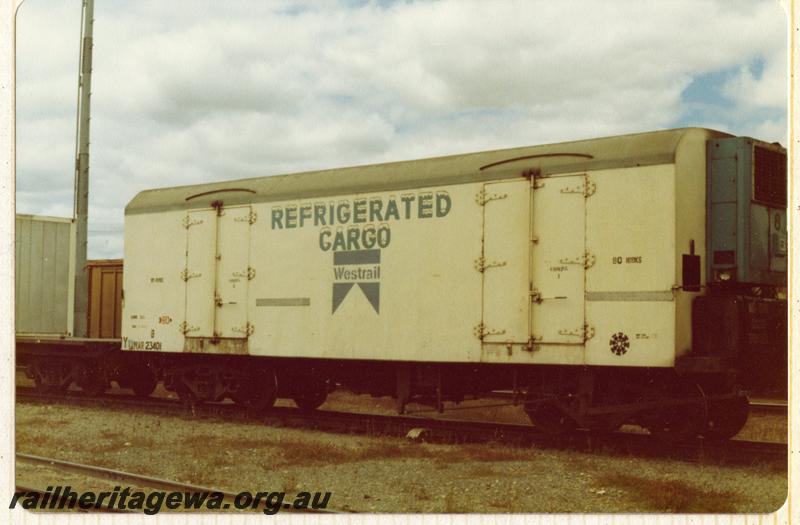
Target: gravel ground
{"x":379,"y":474}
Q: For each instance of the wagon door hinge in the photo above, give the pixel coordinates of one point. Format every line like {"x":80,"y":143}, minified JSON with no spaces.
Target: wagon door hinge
{"x":482,"y":265}
{"x":186,"y":328}
{"x":188,"y":223}
{"x":250,"y":273}
{"x":532,"y":342}
{"x":482,"y":197}
{"x":185,"y":275}
{"x":587,"y":260}
{"x":536,"y":296}
{"x":480,"y":331}
{"x":531,"y":173}
{"x":591,"y":188}
{"x":588,"y":188}
{"x":585,"y":332}
{"x":250,"y":218}
{"x":247,"y":329}
{"x":534,"y":175}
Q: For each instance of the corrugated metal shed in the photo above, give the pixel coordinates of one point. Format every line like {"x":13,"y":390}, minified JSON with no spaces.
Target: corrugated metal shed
{"x":44,"y":251}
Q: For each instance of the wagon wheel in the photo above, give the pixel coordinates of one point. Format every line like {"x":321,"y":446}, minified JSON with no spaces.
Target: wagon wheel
{"x":550,"y":419}
{"x":49,"y":377}
{"x":683,"y":421}
{"x":313,"y":394}
{"x":143,"y":381}
{"x":726,"y":417}
{"x":257,"y":391}
{"x":46,"y":386}
{"x":91,"y":380}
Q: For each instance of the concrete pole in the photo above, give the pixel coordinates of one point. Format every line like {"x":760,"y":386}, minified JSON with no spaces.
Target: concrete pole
{"x":81,"y":213}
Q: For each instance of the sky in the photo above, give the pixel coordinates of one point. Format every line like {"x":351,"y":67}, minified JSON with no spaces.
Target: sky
{"x":195,"y":91}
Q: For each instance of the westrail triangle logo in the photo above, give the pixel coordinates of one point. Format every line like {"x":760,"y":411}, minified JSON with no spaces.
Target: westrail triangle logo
{"x":360,"y":268}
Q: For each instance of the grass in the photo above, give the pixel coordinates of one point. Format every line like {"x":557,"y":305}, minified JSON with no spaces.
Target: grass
{"x":430,"y":477}
{"x":272,"y":451}
{"x":289,"y":484}
{"x":482,"y":471}
{"x":110,"y":442}
{"x":418,"y":491}
{"x":450,"y":505}
{"x":324,"y":453}
{"x":509,"y":501}
{"x":283,"y":452}
{"x":110,"y":434}
{"x":24,"y":440}
{"x":670,"y":495}
{"x":41,"y":421}
{"x":205,"y":441}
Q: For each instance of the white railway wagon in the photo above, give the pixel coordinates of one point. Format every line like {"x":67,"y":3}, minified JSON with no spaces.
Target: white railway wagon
{"x":429,"y":279}
{"x":532,"y":255}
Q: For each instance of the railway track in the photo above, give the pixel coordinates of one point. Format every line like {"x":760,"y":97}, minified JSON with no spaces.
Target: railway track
{"x":434,"y":430}
{"x":139,"y":480}
{"x":757,"y":405}
{"x":763,"y":406}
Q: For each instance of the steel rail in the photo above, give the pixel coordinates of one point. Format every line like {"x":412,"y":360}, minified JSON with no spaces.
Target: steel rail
{"x":757,"y":405}
{"x":147,"y":481}
{"x":769,"y":407}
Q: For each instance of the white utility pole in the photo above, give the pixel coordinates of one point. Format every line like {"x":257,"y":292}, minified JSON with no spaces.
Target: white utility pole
{"x":81,"y":213}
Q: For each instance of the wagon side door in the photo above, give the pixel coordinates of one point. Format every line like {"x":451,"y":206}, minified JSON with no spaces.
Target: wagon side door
{"x":559,"y":259}
{"x":233,"y":272}
{"x":505,"y":261}
{"x":198,"y":273}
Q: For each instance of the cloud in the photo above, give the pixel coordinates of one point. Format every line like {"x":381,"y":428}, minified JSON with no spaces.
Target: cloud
{"x":765,"y":89}
{"x":189,"y":92}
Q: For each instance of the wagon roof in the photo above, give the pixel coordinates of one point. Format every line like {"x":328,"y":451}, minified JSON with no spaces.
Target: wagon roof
{"x":639,"y":149}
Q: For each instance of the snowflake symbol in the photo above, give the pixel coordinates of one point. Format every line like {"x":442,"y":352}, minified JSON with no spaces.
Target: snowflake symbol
{"x":619,"y":343}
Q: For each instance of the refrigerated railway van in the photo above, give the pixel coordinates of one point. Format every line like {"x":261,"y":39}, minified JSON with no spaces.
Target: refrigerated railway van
{"x":612,"y":280}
